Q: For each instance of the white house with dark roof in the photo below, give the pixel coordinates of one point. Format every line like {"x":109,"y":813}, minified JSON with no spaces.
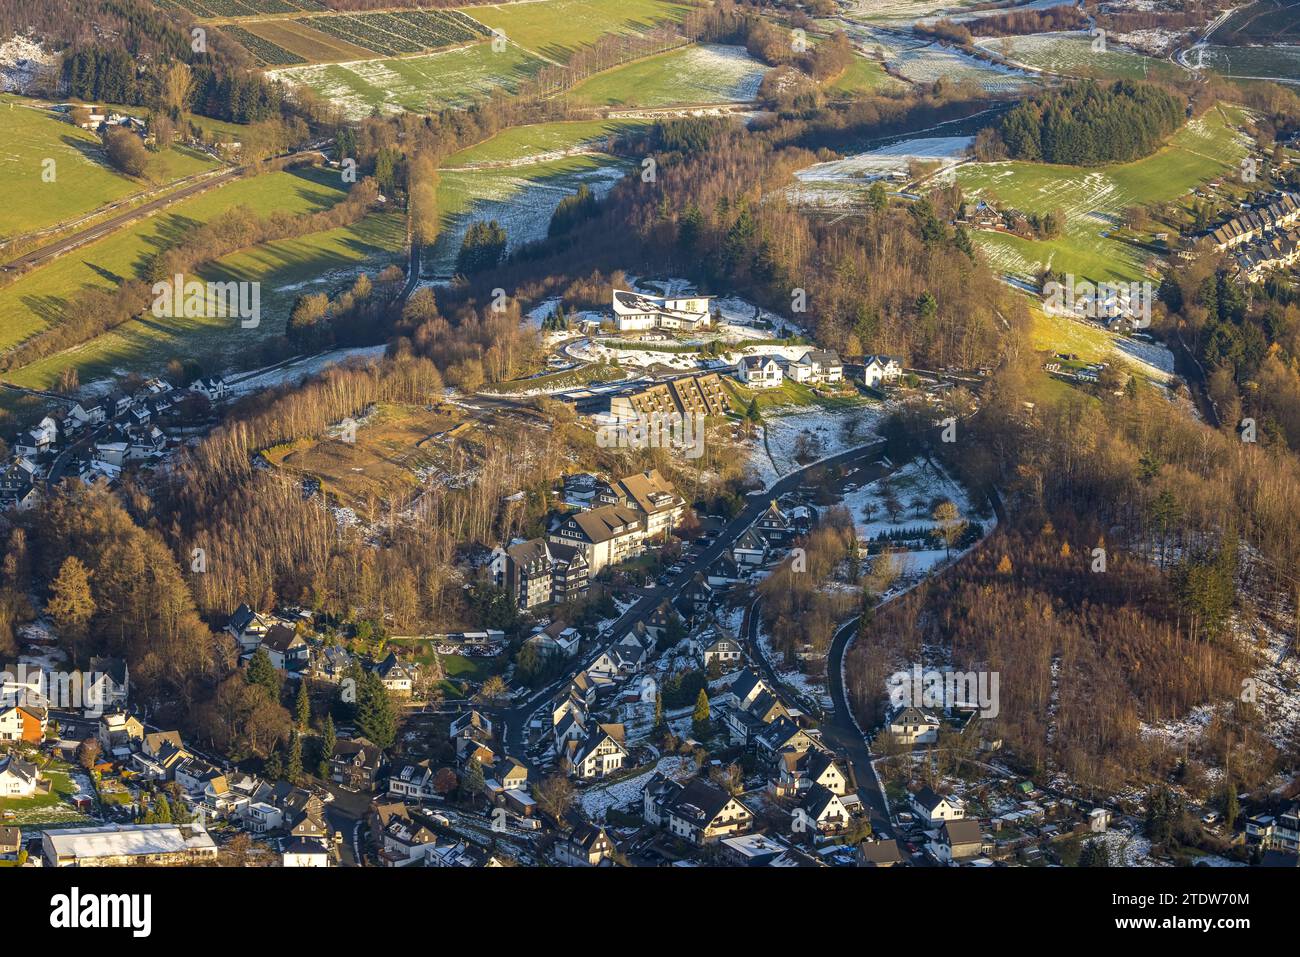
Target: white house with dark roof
{"x":606,"y":536}
{"x":934,"y":809}
{"x":760,"y":372}
{"x":638,"y":312}
{"x":600,"y":754}
{"x":697,"y":811}
{"x":881,"y":370}
{"x":911,"y":726}
{"x":18,"y":778}
{"x":817,"y":366}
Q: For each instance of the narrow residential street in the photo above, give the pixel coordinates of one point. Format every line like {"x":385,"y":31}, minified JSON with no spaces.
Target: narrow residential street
{"x":516,"y":717}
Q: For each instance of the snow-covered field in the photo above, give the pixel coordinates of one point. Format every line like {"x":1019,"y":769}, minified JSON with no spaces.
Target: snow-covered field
{"x":845,"y":181}
{"x":933,"y":62}
{"x":916,"y":487}
{"x":23,"y":62}
{"x":1069,"y":53}
{"x":297,"y":371}
{"x":818,"y":433}
{"x":520,"y":199}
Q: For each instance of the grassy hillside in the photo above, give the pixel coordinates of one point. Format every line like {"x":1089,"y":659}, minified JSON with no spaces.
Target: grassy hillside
{"x":696,"y":74}
{"x":83,"y":181}
{"x":555,"y":28}
{"x":1094,"y":199}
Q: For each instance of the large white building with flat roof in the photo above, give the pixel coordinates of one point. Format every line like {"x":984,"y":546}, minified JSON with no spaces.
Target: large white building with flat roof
{"x":127,"y":845}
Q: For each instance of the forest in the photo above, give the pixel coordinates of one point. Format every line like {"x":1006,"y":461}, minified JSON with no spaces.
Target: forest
{"x":1090,"y":123}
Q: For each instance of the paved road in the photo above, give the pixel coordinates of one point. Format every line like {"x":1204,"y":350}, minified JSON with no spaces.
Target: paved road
{"x":516,"y":717}
{"x":839,"y":728}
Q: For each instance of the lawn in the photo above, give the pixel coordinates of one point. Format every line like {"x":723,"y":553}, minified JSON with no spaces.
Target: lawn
{"x":1072,"y":54}
{"x":788,"y":395}
{"x":82,"y":179}
{"x":50,"y":808}
{"x":33,"y":301}
{"x":1094,"y":199}
{"x":539,"y":141}
{"x":695,"y":74}
{"x":455,"y":77}
{"x":863,"y":76}
{"x":554,"y":29}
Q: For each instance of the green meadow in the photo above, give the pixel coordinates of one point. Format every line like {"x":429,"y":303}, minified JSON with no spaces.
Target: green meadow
{"x":83,"y":181}
{"x":543,"y":140}
{"x":688,"y":75}
{"x":1094,"y":199}
{"x":285,"y":269}
{"x":554,"y":29}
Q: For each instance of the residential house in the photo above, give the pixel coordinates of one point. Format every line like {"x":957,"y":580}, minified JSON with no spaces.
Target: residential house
{"x":621,"y":659}
{"x":109,"y":684}
{"x":697,"y":811}
{"x":23,"y":722}
{"x":695,"y":597}
{"x":198,"y":778}
{"x":760,"y":372}
{"x":11,"y":843}
{"x":797,"y":773}
{"x":119,"y":733}
{"x":288,"y":650}
{"x":933,"y":809}
{"x":823,"y":810}
{"x":556,"y":640}
{"x":638,"y":312}
{"x":18,"y":482}
{"x":601,"y":753}
{"x":472,"y":723}
{"x":959,"y":840}
{"x":398,"y":679}
{"x":650,"y":495}
{"x":911,"y":726}
{"x":37,"y":440}
{"x":606,"y":536}
{"x":357,"y":763}
{"x":160,"y":763}
{"x":749,"y":550}
{"x":413,"y":782}
{"x":774,"y":526}
{"x":881,"y":853}
{"x":80,"y":416}
{"x":403,"y":840}
{"x":723,"y":650}
{"x":783,"y":734}
{"x":302,"y":852}
{"x":18,"y":778}
{"x":213,"y":388}
{"x":817,"y":366}
{"x":248,"y":628}
{"x":881,"y":370}
{"x":587,"y":845}
{"x":753,"y":850}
